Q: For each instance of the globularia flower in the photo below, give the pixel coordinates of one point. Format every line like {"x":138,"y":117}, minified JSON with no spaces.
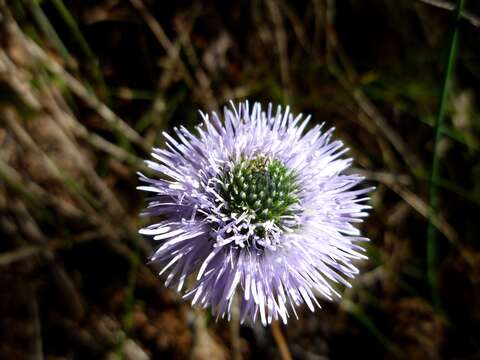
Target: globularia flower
{"x":255,"y":207}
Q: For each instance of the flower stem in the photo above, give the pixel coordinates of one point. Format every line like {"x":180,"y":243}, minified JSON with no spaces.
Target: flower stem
{"x":235,"y":331}
{"x":280,"y":340}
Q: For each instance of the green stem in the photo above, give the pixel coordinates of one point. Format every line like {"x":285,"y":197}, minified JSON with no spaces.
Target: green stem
{"x":432,"y":234}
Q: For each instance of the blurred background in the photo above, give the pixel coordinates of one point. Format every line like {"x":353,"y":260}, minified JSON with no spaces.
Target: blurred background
{"x":86,"y":89}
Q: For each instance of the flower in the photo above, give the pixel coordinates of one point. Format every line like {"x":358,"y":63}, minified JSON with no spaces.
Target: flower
{"x":255,"y":207}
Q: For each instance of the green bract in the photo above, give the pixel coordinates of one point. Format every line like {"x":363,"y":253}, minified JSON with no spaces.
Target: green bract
{"x":262,"y":186}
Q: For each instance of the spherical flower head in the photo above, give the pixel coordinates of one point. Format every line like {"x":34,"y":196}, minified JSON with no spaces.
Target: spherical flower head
{"x":257,"y":208}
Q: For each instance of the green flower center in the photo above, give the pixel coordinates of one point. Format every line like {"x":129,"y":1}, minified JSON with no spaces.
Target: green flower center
{"x":260,"y":186}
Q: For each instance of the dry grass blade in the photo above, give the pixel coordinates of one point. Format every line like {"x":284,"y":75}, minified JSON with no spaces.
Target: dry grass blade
{"x":18,"y":80}
{"x":472,"y":19}
{"x":38,"y":346}
{"x":38,"y":54}
{"x":281,"y":41}
{"x":364,"y":103}
{"x":201,"y":76}
{"x":49,"y":165}
{"x":381,"y":123}
{"x":173,"y":51}
{"x":90,"y":98}
{"x":33,"y":192}
{"x":398,"y":183}
{"x":422,"y":208}
{"x":162,"y":37}
{"x":20,"y":254}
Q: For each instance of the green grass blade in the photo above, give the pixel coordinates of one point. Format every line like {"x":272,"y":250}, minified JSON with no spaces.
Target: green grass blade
{"x":47,"y":28}
{"x":82,"y":42}
{"x":72,"y":25}
{"x":432,"y":233}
